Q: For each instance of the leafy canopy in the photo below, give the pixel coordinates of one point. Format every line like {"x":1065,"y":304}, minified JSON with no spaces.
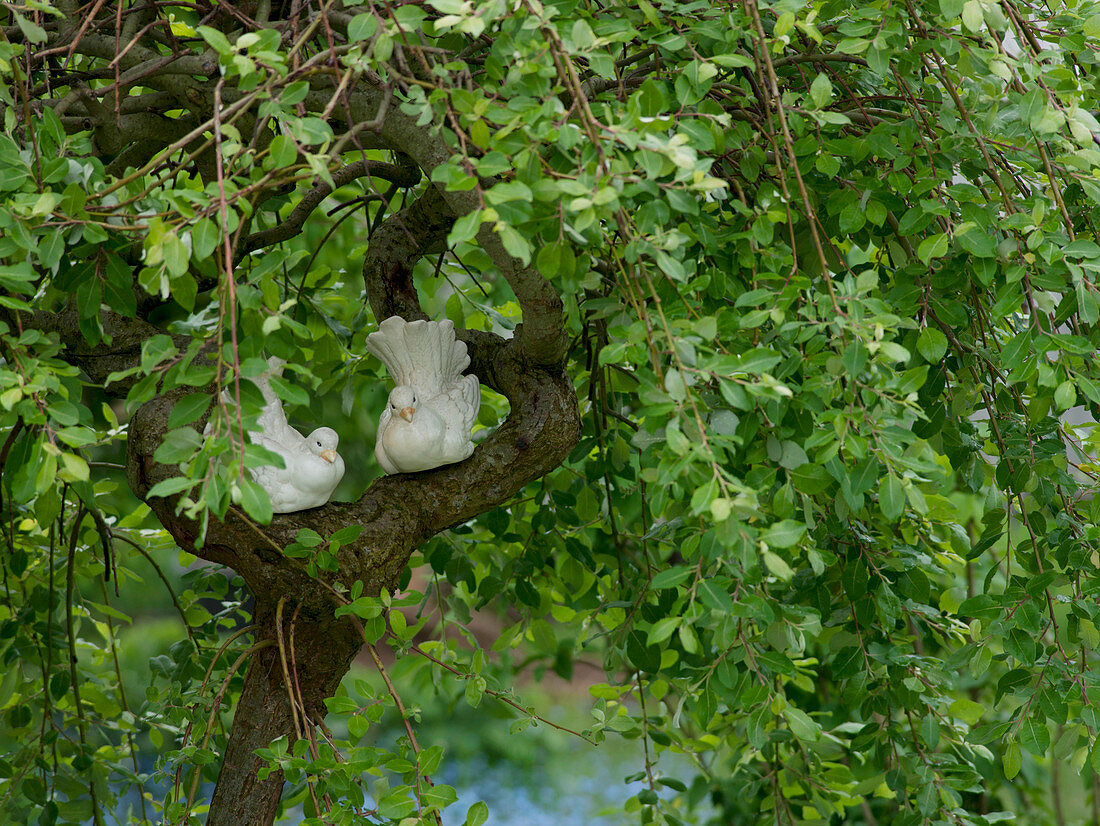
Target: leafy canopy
{"x":829,"y":275}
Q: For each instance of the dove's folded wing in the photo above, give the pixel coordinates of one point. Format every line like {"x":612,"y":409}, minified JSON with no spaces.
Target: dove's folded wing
{"x":471,"y":396}
{"x":461,"y":399}
{"x":379,"y":448}
{"x":275,"y":480}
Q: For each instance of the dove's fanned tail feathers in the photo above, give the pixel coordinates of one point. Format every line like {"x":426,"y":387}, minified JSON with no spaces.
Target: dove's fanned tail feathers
{"x":272,"y":419}
{"x":388,"y":343}
{"x":423,"y":354}
{"x":424,"y":343}
{"x":460,"y":359}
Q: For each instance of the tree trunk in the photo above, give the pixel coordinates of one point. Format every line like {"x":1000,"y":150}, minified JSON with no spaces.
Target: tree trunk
{"x":322,"y":654}
{"x":262,"y":715}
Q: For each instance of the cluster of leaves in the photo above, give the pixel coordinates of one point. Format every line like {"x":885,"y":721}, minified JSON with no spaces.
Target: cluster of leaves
{"x":830,"y":528}
{"x":829,"y":274}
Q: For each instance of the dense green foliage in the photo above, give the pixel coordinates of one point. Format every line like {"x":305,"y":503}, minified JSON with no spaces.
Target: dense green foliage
{"x":831,"y":294}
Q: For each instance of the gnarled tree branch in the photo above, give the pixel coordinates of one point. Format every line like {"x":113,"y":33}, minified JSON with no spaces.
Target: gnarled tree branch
{"x":402,"y":176}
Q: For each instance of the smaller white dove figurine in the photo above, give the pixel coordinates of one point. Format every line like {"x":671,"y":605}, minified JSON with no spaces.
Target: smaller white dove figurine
{"x":432,"y":408}
{"x":313,"y":467}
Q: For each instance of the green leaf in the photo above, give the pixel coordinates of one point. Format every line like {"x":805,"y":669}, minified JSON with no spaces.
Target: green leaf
{"x":477,"y":814}
{"x":204,"y":238}
{"x":155,"y":350}
{"x":821,"y":90}
{"x":475,"y":690}
{"x":347,"y":534}
{"x":662,"y":630}
{"x":802,"y":726}
{"x":671,"y":577}
{"x":935,"y":246}
{"x":428,"y":759}
{"x":179,"y":445}
{"x":967,"y":710}
{"x":283,"y":151}
{"x":397,"y":804}
{"x":118,"y":288}
{"x":777,"y":566}
{"x":362,"y":27}
{"x":465,"y":228}
{"x":74,"y":468}
{"x":168,"y":487}
{"x":188,"y":409}
{"x":891,"y":497}
{"x":438,"y":796}
{"x":255,"y":501}
{"x":1094,"y":756}
{"x":784,"y":534}
{"x":977,"y":243}
{"x":32,"y":31}
{"x":674,"y":385}
{"x":215,"y":39}
{"x":972,"y":15}
{"x":930,"y":731}
{"x":175,"y":254}
{"x":1034,"y":735}
{"x":1090,"y":635}
{"x":1065,"y":396}
{"x":10,"y":397}
{"x":1012,"y":356}
{"x":1011,"y":761}
{"x":514,"y":243}
{"x":363,"y":607}
{"x":1067,"y":743}
{"x":1088,"y":308}
{"x":932,"y":344}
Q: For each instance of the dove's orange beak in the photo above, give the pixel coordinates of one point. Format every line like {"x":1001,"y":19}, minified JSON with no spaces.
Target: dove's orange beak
{"x":406,"y":414}
{"x":328,"y":455}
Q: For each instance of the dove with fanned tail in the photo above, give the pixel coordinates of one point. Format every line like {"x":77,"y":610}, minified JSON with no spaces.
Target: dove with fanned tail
{"x":432,"y":408}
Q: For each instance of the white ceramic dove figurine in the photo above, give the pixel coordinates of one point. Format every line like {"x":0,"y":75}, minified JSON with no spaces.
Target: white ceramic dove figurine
{"x":313,"y":467}
{"x":432,"y":407}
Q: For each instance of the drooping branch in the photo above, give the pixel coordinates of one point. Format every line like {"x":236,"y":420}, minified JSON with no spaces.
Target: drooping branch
{"x":119,"y":352}
{"x":263,"y":713}
{"x":404,"y":176}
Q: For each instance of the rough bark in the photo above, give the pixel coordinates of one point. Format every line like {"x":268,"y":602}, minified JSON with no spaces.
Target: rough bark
{"x":323,"y":654}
